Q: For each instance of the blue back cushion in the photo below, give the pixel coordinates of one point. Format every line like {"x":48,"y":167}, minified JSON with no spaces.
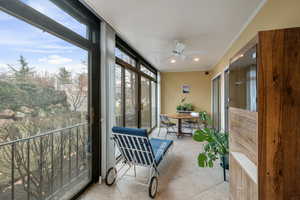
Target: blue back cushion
{"x":130,"y":131}
{"x":134,"y":149}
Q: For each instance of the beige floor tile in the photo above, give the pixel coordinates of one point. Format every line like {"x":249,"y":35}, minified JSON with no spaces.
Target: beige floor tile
{"x":180,"y":178}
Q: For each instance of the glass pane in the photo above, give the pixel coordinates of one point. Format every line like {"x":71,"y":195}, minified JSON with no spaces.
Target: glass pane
{"x":125,"y":57}
{"x":54,"y":12}
{"x":147,"y":71}
{"x":145,"y":103}
{"x":154,"y":104}
{"x":43,"y":89}
{"x":243,"y":80}
{"x":226,"y":99}
{"x":118,"y":96}
{"x":130,"y":99}
{"x":216,"y":104}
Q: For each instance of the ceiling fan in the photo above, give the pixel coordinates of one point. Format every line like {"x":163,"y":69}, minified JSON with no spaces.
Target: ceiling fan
{"x":180,"y":52}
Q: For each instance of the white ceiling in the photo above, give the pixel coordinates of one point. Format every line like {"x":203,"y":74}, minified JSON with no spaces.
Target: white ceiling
{"x":151,"y":26}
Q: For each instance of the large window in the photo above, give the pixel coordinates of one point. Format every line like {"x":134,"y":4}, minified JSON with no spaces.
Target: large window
{"x":145,"y":103}
{"x":216,"y":100}
{"x":126,"y":101}
{"x":118,"y":95}
{"x":125,"y":57}
{"x":226,"y":100}
{"x":46,"y":139}
{"x":153,"y":104}
{"x":147,"y":71}
{"x":135,"y":90}
{"x":47,"y":7}
{"x":131,"y":99}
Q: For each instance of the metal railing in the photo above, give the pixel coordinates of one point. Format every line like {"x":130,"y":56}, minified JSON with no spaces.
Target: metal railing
{"x":47,"y":163}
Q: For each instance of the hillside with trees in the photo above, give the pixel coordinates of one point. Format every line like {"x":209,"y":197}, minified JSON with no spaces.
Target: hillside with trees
{"x":31,"y":104}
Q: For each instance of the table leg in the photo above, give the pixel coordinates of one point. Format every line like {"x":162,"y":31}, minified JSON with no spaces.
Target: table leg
{"x":179,"y":128}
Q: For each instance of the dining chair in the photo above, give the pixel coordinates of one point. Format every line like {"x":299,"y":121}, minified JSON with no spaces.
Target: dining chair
{"x":165,"y":122}
{"x":191,"y":124}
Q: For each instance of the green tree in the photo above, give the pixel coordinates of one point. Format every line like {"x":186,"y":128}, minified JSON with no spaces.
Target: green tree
{"x":64,"y":76}
{"x":77,"y":93}
{"x":15,"y":95}
{"x":23,"y":72}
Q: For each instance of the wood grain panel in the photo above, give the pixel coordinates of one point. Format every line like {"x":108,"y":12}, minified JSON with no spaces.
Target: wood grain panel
{"x":243,"y":132}
{"x":241,"y":185}
{"x":279,"y":114}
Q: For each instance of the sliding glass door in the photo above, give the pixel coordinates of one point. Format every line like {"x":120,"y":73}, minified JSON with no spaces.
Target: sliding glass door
{"x":131,"y":115}
{"x":226,"y":99}
{"x":47,"y":140}
{"x":119,"y":95}
{"x":135,"y":91}
{"x":216,"y":100}
{"x":153,"y":104}
{"x":126,"y":90}
{"x":145,"y":103}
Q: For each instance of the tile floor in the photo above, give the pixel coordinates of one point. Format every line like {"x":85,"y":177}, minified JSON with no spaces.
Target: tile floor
{"x":180,"y":178}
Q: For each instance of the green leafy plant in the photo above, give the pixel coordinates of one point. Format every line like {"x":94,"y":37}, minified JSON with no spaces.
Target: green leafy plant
{"x":216,"y":146}
{"x":179,"y":107}
{"x":188,"y":106}
{"x":184,"y":106}
{"x":205,"y":118}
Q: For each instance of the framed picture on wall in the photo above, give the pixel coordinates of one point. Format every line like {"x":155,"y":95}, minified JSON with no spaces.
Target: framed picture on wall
{"x":185,"y":89}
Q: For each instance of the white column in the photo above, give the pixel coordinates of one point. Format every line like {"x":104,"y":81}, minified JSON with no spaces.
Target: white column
{"x":107,"y":96}
{"x":158,"y":99}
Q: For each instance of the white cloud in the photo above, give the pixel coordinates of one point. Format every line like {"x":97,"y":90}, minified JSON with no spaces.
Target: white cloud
{"x":56,"y":46}
{"x":55,"y":60}
{"x":3,"y":68}
{"x":76,"y":68}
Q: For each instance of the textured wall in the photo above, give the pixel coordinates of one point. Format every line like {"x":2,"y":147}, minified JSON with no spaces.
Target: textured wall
{"x":171,"y":90}
{"x":275,"y":14}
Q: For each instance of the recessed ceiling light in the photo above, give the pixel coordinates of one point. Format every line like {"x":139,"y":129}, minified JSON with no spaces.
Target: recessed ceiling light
{"x":173,"y":61}
{"x":196,"y":59}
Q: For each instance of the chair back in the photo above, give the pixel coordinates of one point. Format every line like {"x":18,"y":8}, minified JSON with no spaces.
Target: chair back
{"x":164,"y":119}
{"x":134,"y":145}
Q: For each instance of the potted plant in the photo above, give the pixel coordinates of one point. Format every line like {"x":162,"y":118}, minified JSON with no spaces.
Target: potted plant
{"x":216,"y":147}
{"x":188,"y":107}
{"x":205,"y":119}
{"x":184,"y":107}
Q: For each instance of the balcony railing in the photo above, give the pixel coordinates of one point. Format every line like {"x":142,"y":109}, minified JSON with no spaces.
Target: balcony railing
{"x":45,"y":166}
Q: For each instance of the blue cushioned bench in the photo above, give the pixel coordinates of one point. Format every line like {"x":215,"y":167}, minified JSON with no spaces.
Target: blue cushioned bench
{"x":159,"y":148}
{"x":138,"y":150}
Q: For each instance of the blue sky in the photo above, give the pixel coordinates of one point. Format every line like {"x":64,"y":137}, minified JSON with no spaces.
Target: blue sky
{"x":42,"y":50}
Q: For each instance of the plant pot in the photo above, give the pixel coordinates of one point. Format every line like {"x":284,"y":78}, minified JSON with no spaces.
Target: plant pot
{"x":184,"y":111}
{"x":225,"y":161}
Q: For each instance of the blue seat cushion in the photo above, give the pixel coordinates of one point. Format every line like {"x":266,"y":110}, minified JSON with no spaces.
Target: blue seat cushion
{"x":146,"y":147}
{"x":160,"y":147}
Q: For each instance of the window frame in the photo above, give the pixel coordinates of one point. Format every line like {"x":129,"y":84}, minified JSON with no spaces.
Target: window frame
{"x":123,"y":46}
{"x":28,"y":14}
{"x":216,"y":108}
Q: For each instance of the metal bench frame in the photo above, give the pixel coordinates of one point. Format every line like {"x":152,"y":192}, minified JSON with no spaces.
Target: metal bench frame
{"x":134,"y":157}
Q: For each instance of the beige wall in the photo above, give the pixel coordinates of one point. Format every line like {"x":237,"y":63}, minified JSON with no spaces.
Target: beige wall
{"x":275,"y":14}
{"x":171,"y":90}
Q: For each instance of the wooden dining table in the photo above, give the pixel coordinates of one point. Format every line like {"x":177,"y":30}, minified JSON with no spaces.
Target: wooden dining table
{"x":180,"y":117}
